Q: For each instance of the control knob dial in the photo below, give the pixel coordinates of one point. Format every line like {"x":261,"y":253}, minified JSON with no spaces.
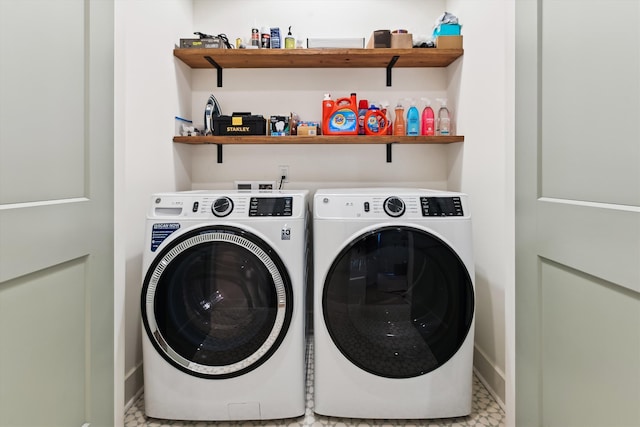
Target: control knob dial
{"x":394,"y":206}
{"x":222,"y":207}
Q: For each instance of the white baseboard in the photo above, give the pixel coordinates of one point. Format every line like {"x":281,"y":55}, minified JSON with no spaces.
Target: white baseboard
{"x":133,"y":386}
{"x":490,"y":376}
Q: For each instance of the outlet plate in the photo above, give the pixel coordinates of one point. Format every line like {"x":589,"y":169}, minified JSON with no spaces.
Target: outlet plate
{"x":284,"y":171}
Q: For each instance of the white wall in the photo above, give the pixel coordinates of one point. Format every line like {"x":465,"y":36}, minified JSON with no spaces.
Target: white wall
{"x":477,"y":85}
{"x":485,"y":116}
{"x":149,"y":99}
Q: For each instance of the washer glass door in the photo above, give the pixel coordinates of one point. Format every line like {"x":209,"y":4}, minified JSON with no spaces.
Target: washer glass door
{"x":398,"y":302}
{"x":217,"y":302}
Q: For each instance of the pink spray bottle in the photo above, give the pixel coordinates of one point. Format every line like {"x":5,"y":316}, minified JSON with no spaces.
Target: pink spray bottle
{"x":428,"y":119}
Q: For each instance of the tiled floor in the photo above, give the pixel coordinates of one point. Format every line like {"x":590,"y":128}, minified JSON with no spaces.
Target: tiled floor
{"x":485,"y":412}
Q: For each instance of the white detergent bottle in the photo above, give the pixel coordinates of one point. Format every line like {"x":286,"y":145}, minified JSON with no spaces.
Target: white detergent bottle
{"x":413,"y":119}
{"x":444,"y":119}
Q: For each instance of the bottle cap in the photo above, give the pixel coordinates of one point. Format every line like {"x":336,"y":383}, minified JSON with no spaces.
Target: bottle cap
{"x":363,"y":104}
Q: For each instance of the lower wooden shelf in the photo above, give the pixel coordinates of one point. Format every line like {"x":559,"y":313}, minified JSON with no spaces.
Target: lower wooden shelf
{"x":320,"y":139}
{"x":389,"y":140}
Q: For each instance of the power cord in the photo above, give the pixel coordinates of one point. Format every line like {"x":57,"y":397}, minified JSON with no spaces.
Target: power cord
{"x":282,"y":178}
{"x":225,"y":40}
{"x":222,"y":37}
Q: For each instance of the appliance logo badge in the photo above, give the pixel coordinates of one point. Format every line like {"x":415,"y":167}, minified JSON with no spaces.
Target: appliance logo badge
{"x":285,"y":234}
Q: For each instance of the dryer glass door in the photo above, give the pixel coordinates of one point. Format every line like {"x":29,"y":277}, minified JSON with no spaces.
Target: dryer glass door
{"x":217,"y":302}
{"x":398,"y":302}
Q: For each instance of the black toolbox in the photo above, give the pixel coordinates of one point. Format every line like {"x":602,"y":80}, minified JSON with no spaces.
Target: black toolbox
{"x":240,"y":124}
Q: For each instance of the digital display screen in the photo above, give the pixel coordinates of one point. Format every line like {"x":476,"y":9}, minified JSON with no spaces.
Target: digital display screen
{"x":441,"y":206}
{"x":271,"y":206}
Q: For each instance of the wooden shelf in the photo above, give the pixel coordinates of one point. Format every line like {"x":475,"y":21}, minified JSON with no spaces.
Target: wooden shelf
{"x":388,"y":140}
{"x":320,"y":139}
{"x":317,"y":58}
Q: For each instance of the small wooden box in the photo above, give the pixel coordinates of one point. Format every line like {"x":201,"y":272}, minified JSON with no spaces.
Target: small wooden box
{"x":401,"y":41}
{"x":449,"y":42}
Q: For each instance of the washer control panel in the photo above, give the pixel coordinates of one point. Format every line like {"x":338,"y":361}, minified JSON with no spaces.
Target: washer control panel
{"x":228,"y":205}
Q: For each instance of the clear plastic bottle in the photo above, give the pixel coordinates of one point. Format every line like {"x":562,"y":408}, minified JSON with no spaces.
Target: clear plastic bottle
{"x":399,"y":127}
{"x":444,"y":119}
{"x":413,"y":119}
{"x":428,"y":119}
{"x":289,"y":41}
{"x":384,"y":108}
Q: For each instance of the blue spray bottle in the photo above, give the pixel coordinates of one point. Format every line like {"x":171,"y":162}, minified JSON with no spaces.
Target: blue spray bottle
{"x":413,"y":119}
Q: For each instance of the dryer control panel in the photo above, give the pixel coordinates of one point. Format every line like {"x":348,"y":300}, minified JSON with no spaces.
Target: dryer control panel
{"x":400,"y":205}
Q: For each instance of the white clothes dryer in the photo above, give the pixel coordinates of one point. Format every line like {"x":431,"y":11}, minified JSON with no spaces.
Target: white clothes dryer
{"x":393,"y":303}
{"x":223,"y":305}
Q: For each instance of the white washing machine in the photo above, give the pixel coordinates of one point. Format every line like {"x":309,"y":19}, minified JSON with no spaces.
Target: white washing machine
{"x":223,"y":305}
{"x":393,"y":303}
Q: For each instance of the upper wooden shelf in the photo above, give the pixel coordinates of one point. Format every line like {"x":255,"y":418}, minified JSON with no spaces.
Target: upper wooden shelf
{"x":317,"y":58}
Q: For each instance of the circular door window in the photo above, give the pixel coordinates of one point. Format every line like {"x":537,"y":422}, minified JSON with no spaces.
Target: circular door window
{"x":398,"y":302}
{"x":217,"y":302}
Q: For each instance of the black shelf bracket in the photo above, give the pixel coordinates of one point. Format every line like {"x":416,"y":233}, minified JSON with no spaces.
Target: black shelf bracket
{"x":219,"y":153}
{"x":389,"y":67}
{"x":388,"y":149}
{"x":219,"y":68}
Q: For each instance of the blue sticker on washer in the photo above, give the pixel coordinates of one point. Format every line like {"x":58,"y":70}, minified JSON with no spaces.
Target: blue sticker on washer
{"x":160,"y":232}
